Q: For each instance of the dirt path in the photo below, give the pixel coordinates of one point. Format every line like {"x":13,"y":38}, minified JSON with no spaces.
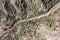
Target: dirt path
{"x":41,"y":16}
{"x":13,"y":3}
{"x":49,"y":33}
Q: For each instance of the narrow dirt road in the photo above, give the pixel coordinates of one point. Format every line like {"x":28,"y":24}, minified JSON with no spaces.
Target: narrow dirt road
{"x":38,"y":17}
{"x":13,"y":3}
{"x":41,"y":16}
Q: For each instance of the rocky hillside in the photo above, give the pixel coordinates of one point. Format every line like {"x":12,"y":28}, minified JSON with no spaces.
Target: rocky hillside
{"x":29,"y":19}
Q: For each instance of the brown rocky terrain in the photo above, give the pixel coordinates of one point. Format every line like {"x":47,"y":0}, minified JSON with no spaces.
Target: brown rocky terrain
{"x":29,"y":19}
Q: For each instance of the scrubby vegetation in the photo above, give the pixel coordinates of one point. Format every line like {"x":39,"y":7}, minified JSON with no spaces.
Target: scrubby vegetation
{"x":28,"y":19}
